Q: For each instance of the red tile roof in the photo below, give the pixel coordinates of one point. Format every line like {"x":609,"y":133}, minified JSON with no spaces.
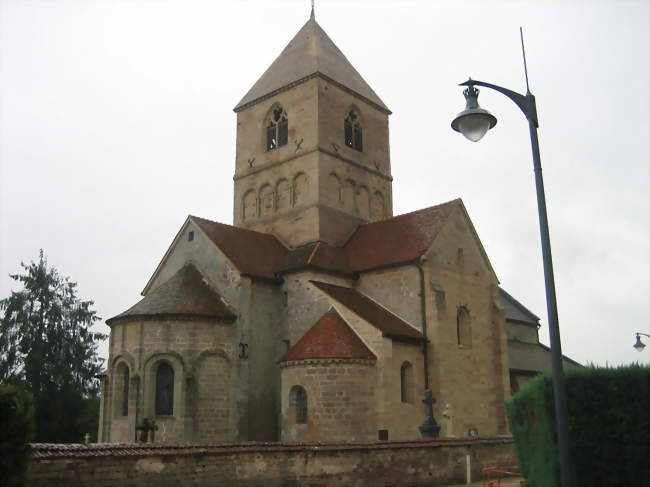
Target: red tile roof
{"x":396,"y":240}
{"x":329,"y":337}
{"x":319,"y":255}
{"x":185,"y":294}
{"x":386,"y":242}
{"x":388,"y":323}
{"x":253,"y":253}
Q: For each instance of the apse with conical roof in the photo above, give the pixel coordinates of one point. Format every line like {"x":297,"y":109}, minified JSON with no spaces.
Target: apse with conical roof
{"x":312,"y":158}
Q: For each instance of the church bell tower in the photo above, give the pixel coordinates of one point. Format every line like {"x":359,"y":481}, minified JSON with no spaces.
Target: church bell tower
{"x":313,"y":159}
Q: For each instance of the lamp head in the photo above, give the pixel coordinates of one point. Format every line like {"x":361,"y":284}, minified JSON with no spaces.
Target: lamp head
{"x":473,"y":122}
{"x":639,"y":345}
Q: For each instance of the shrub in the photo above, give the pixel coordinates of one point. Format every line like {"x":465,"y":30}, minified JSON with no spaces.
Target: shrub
{"x":16,"y":430}
{"x":609,"y":426}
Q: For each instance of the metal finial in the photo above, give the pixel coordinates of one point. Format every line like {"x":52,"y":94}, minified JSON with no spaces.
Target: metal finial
{"x":313,"y":15}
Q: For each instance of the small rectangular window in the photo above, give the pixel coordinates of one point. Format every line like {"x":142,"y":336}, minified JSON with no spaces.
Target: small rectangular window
{"x":190,"y":236}
{"x":382,"y":435}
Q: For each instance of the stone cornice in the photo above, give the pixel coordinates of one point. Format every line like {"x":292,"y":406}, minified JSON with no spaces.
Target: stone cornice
{"x":169,"y":317}
{"x":255,"y":170}
{"x":316,"y":74}
{"x":326,"y":362}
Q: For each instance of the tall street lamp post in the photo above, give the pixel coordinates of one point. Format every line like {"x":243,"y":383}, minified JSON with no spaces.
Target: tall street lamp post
{"x":473,"y":123}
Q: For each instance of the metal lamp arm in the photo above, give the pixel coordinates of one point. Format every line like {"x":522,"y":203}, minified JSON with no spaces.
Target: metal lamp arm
{"x":526,"y":103}
{"x":644,"y":334}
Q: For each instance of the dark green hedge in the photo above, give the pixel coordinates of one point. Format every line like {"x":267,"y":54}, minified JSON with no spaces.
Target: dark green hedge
{"x":609,"y":423}
{"x":16,"y":430}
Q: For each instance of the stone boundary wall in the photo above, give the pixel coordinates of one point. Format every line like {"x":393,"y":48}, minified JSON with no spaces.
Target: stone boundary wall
{"x":364,"y":464}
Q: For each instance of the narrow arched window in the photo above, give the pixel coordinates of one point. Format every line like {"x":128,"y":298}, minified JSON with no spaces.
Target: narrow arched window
{"x":353,"y":131}
{"x":164,"y":389}
{"x":334,"y":188}
{"x":249,"y":206}
{"x":300,"y":189}
{"x":277,"y":129}
{"x":298,"y":404}
{"x":406,"y":381}
{"x":348,"y":194}
{"x":377,"y":206}
{"x":125,"y":392}
{"x":266,"y":200}
{"x":463,"y":326}
{"x":363,"y":202}
{"x":282,"y":195}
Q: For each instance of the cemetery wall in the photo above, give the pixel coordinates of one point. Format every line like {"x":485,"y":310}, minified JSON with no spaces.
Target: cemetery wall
{"x":379,"y":464}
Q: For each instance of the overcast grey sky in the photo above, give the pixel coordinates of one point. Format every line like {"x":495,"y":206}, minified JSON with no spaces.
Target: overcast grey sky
{"x":116,"y":123}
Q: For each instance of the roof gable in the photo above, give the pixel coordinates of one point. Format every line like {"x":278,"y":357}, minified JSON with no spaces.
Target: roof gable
{"x":464,"y":216}
{"x":185,"y":294}
{"x":330,"y":337}
{"x":515,"y":311}
{"x":388,"y":323}
{"x":396,"y":240}
{"x":311,"y":52}
{"x":253,"y":253}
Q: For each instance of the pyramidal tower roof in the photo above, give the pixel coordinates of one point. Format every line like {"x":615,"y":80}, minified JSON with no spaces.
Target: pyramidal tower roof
{"x":310,"y":53}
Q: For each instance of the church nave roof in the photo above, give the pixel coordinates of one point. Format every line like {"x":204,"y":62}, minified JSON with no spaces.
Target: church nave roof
{"x":396,"y":240}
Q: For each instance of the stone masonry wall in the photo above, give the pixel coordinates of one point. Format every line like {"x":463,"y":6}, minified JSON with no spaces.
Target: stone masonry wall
{"x":341,"y":400}
{"x":201,"y":353}
{"x":470,"y":380}
{"x":378,"y":464}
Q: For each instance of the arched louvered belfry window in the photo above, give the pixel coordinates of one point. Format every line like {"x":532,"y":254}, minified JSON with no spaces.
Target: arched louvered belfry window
{"x":463,"y":324}
{"x":277,"y":128}
{"x":353,"y":131}
{"x":406,"y":382}
{"x":164,"y":389}
{"x":298,"y":404}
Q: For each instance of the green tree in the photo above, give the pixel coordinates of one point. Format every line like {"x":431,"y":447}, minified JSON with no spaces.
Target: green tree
{"x":48,"y":347}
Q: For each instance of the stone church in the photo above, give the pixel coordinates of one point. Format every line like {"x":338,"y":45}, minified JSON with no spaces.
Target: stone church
{"x":318,"y":315}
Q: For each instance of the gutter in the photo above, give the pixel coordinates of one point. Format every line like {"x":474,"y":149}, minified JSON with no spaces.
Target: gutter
{"x":425,"y":344}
